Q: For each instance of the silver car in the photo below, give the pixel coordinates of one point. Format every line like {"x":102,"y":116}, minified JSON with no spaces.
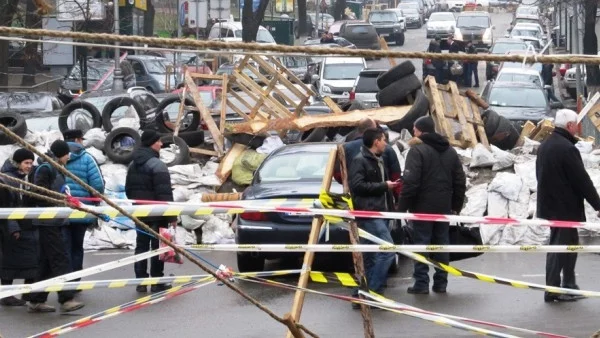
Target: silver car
{"x":365,"y":87}
{"x":441,"y":24}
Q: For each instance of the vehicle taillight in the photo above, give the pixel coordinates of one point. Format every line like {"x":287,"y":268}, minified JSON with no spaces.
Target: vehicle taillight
{"x":253,"y":216}
{"x":203,"y":125}
{"x":495,"y":69}
{"x":352,"y":95}
{"x":427,"y":61}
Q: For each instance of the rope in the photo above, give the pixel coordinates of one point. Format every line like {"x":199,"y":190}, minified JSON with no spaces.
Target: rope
{"x":146,"y":228}
{"x":256,"y":47}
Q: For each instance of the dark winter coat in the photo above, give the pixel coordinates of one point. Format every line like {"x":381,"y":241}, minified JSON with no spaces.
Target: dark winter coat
{"x":48,"y":177}
{"x":367,"y":185}
{"x":84,"y":166}
{"x":472,"y":50}
{"x":148,"y":178}
{"x":455,"y":48}
{"x":547,"y":74}
{"x":562,"y":181}
{"x":434,"y":179}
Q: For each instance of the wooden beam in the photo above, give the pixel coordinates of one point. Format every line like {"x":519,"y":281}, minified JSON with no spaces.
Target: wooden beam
{"x":283,"y":80}
{"x":384,"y":115}
{"x":468,"y":134}
{"x":313,"y":238}
{"x":299,"y":82}
{"x":269,"y":100}
{"x":223,"y":106}
{"x":384,"y":46}
{"x":206,"y":76}
{"x":203,"y":151}
{"x":210,"y":123}
{"x":181,"y":111}
{"x":226,"y":165}
{"x":436,"y":99}
{"x":480,"y":129}
{"x":332,"y":105}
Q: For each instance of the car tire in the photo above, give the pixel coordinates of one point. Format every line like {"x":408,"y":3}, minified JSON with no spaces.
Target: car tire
{"x":491,"y":121}
{"x":506,"y":135}
{"x":114,"y":154}
{"x":16,"y":123}
{"x":247,"y":262}
{"x":313,"y":135}
{"x":183,"y":157}
{"x":193,"y":138}
{"x":160,"y":119}
{"x":397,"y":72}
{"x":75,"y":105}
{"x":116,"y":103}
{"x":419,"y":108}
{"x":400,"y":40}
{"x":395,"y":94}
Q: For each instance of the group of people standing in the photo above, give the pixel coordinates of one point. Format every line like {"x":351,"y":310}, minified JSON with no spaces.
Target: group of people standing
{"x":442,"y":68}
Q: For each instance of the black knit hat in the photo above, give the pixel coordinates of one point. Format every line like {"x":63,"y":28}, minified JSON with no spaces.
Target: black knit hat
{"x":59,"y":148}
{"x":149,"y":137}
{"x":425,"y":124}
{"x":22,"y":154}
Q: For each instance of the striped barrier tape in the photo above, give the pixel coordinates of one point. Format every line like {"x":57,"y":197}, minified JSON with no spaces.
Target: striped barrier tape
{"x":124,"y":308}
{"x":343,"y":278}
{"x":232,"y":208}
{"x":393,"y":305}
{"x":121,"y":283}
{"x":479,"y":276}
{"x":391,"y":248}
{"x":27,"y":288}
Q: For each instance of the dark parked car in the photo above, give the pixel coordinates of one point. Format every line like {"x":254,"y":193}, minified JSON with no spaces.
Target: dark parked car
{"x":361,"y":34}
{"x":338,"y":42}
{"x":151,"y":72}
{"x":388,"y":25}
{"x":501,"y":47}
{"x":519,"y":102}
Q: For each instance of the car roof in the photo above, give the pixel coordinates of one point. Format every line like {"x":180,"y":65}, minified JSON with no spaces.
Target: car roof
{"x":527,"y":71}
{"x":373,"y":70}
{"x":315,"y":147}
{"x":474,"y":13}
{"x":509,"y":40}
{"x":358,"y":23}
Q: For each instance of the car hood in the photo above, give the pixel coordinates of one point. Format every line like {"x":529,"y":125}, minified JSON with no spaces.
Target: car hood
{"x":71,"y":84}
{"x":385,"y":24}
{"x":301,"y":189}
{"x":440,"y":24}
{"x":521,"y":113}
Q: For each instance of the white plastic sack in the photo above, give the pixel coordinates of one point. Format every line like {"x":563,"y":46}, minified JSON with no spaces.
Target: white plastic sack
{"x":591,"y":160}
{"x":491,"y":234}
{"x":94,"y":137}
{"x":584,"y":147}
{"x":520,"y":207}
{"x":476,"y":200}
{"x":97,"y":154}
{"x":405,"y":135}
{"x":190,"y":223}
{"x":217,"y":231}
{"x":130,"y":119}
{"x":465,"y":155}
{"x":7,"y":151}
{"x":193,"y":176}
{"x":107,"y":238}
{"x":48,"y":137}
{"x":181,"y":194}
{"x":269,"y":144}
{"x":34,"y":138}
{"x":529,"y":147}
{"x":114,"y":176}
{"x":526,"y":171}
{"x":503,"y":159}
{"x":507,"y":184}
{"x":481,"y":157}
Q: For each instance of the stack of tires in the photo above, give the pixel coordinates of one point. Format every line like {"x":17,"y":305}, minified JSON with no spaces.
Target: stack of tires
{"x":499,"y":130}
{"x":395,"y":86}
{"x":122,"y":141}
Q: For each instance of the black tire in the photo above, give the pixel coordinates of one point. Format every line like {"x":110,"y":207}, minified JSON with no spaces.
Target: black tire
{"x":506,"y":135}
{"x":118,"y":155}
{"x":491,"y":121}
{"x":252,"y":141}
{"x":313,"y":135}
{"x":397,"y":72}
{"x":193,"y":138}
{"x":16,"y":123}
{"x":116,"y":103}
{"x":193,"y":123}
{"x":395,"y":94}
{"x":248,"y":262}
{"x":400,"y":40}
{"x":183,"y":157}
{"x":419,"y":108}
{"x":75,"y":105}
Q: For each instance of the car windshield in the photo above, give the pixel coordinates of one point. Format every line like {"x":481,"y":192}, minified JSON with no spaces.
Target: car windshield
{"x":534,"y":33}
{"x":527,"y":10}
{"x":472,"y":22}
{"x":263,"y":36}
{"x":517,"y":77}
{"x":502,"y":48}
{"x":410,"y":11}
{"x":517,"y":97}
{"x":442,"y":17}
{"x":95,"y":71}
{"x":157,"y":66}
{"x":342,"y":71}
{"x":383,"y":17}
{"x":536,"y":66}
{"x":294,"y":61}
{"x":363,"y":29}
{"x":293,"y":167}
{"x":525,"y":20}
{"x":367,"y":83}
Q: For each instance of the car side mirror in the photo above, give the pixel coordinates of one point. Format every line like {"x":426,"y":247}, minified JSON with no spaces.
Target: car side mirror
{"x":556,"y":105}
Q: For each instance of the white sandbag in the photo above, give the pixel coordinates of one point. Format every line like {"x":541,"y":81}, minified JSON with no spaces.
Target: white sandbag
{"x":94,"y":137}
{"x":481,"y":157}
{"x":584,"y":147}
{"x":531,"y":210}
{"x":507,"y":184}
{"x":119,"y":222}
{"x":529,"y":147}
{"x":526,"y":171}
{"x":520,"y":207}
{"x":168,"y":155}
{"x":114,"y":176}
{"x":7,"y":151}
{"x":405,"y":135}
{"x":181,"y":194}
{"x":217,"y":231}
{"x":491,"y":234}
{"x":130,"y":119}
{"x":48,"y":137}
{"x":193,"y":176}
{"x":477,"y":198}
{"x":269,"y":144}
{"x":98,"y":155}
{"x":465,"y":155}
{"x":503,"y":159}
{"x":33,"y":138}
{"x":190,"y":223}
{"x":106,"y":237}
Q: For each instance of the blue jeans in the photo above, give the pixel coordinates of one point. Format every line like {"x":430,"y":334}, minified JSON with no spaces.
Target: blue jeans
{"x":74,"y":234}
{"x":427,"y":233}
{"x":377,"y":264}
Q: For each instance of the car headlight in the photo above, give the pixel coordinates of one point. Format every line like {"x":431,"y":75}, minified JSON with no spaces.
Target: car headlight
{"x":326,"y":89}
{"x":487,"y":36}
{"x":396,"y":29}
{"x":457,"y":35}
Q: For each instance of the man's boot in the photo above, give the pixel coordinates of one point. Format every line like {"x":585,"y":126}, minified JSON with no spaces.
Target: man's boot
{"x":70,"y":306}
{"x":12,"y":301}
{"x":40,"y":308}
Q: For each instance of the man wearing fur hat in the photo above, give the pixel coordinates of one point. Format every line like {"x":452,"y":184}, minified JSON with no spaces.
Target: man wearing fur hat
{"x":434,"y":183}
{"x":148,"y":178}
{"x":19,"y":238}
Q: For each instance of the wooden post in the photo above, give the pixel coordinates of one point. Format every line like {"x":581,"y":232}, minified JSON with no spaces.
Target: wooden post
{"x":223,"y":105}
{"x":291,"y":324}
{"x":359,"y":267}
{"x":384,"y":46}
{"x":312,"y":239}
{"x":181,"y":108}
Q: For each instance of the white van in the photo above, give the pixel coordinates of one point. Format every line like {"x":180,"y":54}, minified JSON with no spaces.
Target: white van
{"x":337,"y":75}
{"x":231,"y":31}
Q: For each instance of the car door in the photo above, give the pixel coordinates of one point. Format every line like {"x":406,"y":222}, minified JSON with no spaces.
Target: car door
{"x":141,"y":76}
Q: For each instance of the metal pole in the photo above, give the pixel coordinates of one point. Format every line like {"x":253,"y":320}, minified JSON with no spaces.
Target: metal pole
{"x":197,"y":19}
{"x":576,"y":48}
{"x":317,"y":10}
{"x":117,"y":75}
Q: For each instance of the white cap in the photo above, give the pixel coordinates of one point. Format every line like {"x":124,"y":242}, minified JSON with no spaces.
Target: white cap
{"x":563,"y":117}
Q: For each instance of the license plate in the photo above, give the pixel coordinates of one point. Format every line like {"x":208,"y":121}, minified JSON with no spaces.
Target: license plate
{"x":295,"y":214}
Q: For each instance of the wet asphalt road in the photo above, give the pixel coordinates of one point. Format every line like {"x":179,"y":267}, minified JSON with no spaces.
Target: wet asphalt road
{"x":215,"y":311}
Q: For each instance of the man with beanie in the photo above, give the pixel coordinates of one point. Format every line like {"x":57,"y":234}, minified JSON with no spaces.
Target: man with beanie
{"x":18,"y":238}
{"x":84,"y":166}
{"x":148,"y":178}
{"x":562,"y":185}
{"x":371,"y":190}
{"x":53,"y":252}
{"x":434,"y":183}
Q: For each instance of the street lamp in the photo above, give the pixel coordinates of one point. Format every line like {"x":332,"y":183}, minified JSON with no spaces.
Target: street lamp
{"x":117,"y":75}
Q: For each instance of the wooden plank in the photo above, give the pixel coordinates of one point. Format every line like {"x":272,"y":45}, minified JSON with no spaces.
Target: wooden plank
{"x":251,"y":93}
{"x":251,"y":89}
{"x":468,"y":132}
{"x":180,"y":112}
{"x":448,"y":103}
{"x":442,"y":124}
{"x":590,"y":107}
{"x":384,"y":46}
{"x":226,"y":165}
{"x":528,"y":128}
{"x":269,"y":100}
{"x":480,"y":129}
{"x":332,"y":105}
{"x":384,"y":115}
{"x":265,"y":94}
{"x":204,"y":151}
{"x":223,"y":105}
{"x":287,"y":71}
{"x":206,"y":76}
{"x":313,"y":238}
{"x":208,"y":120}
{"x":283,"y":80}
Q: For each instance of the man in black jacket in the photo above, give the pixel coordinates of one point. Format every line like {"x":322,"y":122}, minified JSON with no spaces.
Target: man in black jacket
{"x":435,"y":183}
{"x":371,"y":190}
{"x":563,"y":184}
{"x":148,"y":178}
